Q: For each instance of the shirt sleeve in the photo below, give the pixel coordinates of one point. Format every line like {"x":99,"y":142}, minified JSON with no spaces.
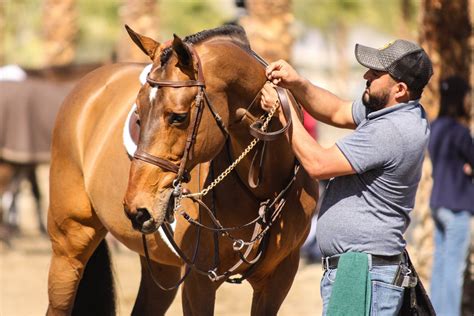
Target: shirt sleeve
{"x":359,"y":111}
{"x":372,"y":145}
{"x":465,"y":145}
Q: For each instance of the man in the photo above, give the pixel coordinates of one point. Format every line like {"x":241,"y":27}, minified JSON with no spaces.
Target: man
{"x":375,"y":170}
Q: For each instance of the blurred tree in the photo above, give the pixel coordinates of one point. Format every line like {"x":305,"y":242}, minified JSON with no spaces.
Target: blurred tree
{"x":142,"y":17}
{"x":445,"y":32}
{"x":3,"y":33}
{"x":99,"y":30}
{"x":406,"y":24}
{"x":446,"y":28}
{"x":268,"y":26}
{"x":386,"y":16}
{"x":59,"y":31}
{"x":21,"y":33}
{"x":185,"y":17}
{"x":159,"y":19}
{"x":337,"y":18}
{"x":98,"y":26}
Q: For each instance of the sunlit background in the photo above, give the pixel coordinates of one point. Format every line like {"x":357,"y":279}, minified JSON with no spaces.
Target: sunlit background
{"x":44,"y":37}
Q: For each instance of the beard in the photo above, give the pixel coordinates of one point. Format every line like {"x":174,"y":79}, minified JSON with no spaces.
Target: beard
{"x":375,"y":101}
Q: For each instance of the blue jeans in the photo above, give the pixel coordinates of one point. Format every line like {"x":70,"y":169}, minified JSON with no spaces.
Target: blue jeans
{"x":452,"y":238}
{"x":387,"y":298}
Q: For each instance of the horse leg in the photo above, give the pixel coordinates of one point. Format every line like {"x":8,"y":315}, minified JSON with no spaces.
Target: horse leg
{"x":270,"y":291}
{"x":75,"y":232}
{"x":31,"y":175}
{"x":6,"y":174}
{"x":198,"y":295}
{"x":151,"y":299}
{"x":14,"y":190}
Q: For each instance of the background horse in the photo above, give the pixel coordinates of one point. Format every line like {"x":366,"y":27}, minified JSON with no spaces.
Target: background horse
{"x":194,"y":115}
{"x":29,"y":102}
{"x":27,"y":112}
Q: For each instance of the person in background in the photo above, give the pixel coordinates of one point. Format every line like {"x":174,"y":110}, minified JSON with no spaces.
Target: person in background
{"x":451,"y":149}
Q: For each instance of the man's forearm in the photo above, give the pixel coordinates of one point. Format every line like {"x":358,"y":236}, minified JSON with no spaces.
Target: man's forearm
{"x":323,"y":105}
{"x":319,"y":162}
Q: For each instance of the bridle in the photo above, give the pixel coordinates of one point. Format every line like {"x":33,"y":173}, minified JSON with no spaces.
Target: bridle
{"x":269,"y":210}
{"x":182,"y":175}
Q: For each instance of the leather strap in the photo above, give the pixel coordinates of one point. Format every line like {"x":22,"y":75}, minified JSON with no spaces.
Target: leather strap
{"x":181,"y":171}
{"x":270,"y":136}
{"x":175,"y":84}
{"x":256,"y":170}
{"x":331,"y":262}
{"x":157,"y":161}
{"x":160,"y":162}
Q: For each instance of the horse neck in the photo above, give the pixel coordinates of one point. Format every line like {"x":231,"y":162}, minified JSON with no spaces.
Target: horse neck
{"x":245,"y":82}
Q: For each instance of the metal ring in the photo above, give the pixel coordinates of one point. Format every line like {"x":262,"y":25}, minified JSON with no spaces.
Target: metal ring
{"x":176,"y":183}
{"x":238,"y":244}
{"x":212,"y":274}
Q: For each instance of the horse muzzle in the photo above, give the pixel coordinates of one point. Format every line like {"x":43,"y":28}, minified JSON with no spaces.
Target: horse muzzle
{"x":147,"y":221}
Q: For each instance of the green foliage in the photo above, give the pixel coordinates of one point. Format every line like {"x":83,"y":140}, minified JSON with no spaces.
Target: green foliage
{"x":324,"y":14}
{"x":99,"y":29}
{"x":184,"y":17}
{"x":21,"y":36}
{"x":384,"y":15}
{"x":100,"y":26}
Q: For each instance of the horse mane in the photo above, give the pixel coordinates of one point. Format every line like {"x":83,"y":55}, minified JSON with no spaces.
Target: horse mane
{"x":232,"y":32}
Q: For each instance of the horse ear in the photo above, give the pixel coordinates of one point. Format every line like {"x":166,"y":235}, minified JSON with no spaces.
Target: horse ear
{"x":146,"y":44}
{"x":185,"y":57}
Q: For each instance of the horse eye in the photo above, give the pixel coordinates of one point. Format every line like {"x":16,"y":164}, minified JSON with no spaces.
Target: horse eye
{"x":177,"y":118}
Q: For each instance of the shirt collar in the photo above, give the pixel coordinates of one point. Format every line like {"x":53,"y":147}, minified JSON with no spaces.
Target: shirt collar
{"x":409,"y":105}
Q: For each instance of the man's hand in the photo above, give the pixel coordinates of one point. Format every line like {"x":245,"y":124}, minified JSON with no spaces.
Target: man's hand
{"x":467,"y":169}
{"x":269,"y":98}
{"x":282,"y":74}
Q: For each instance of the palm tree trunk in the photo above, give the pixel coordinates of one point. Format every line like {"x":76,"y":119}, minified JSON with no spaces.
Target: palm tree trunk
{"x":60,"y":30}
{"x":3,"y":32}
{"x":445,"y":32}
{"x":268,"y":26}
{"x":445,"y":36}
{"x":142,"y":17}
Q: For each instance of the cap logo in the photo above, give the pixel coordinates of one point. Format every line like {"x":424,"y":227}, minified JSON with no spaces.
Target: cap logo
{"x":387,"y":45}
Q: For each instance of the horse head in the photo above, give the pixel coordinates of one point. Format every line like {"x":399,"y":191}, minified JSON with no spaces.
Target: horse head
{"x":172,"y":140}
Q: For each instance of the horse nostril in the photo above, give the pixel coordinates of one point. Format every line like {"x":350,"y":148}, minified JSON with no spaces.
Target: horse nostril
{"x":142,"y":216}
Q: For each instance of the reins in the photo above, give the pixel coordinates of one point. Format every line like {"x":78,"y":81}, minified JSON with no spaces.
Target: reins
{"x":269,"y":210}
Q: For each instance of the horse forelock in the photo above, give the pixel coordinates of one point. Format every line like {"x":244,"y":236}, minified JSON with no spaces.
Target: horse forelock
{"x":234,"y":33}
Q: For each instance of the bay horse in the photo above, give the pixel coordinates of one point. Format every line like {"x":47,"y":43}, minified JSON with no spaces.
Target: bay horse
{"x":194,"y":112}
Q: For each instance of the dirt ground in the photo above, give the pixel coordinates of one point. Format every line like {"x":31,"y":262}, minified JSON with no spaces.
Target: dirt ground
{"x":24,"y":270}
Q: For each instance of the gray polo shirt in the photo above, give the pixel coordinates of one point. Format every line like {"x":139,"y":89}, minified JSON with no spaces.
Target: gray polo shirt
{"x":368,"y":211}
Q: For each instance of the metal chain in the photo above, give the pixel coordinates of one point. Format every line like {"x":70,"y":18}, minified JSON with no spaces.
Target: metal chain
{"x":229,"y":169}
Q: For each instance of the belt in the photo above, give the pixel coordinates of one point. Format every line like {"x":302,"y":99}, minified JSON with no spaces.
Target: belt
{"x":331,"y":262}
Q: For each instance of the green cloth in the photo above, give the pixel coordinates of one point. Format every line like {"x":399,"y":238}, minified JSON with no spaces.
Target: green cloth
{"x":351,"y":291}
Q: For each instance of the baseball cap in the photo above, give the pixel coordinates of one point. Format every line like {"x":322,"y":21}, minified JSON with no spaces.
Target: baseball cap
{"x":403,"y":60}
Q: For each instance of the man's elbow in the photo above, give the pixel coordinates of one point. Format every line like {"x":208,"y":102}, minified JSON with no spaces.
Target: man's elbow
{"x":317,"y":172}
{"x":328,"y":168}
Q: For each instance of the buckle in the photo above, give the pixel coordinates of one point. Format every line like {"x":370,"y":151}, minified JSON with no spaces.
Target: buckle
{"x":238,"y":245}
{"x":325,"y":263}
{"x":212,"y":274}
{"x":409,"y":281}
